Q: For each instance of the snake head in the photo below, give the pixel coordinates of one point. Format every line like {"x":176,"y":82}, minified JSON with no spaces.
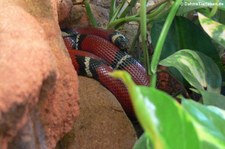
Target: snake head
{"x":120,"y":40}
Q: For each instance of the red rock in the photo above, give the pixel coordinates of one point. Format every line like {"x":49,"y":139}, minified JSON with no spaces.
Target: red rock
{"x":37,"y":79}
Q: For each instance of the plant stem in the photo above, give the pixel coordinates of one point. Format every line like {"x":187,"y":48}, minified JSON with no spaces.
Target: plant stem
{"x":115,"y":21}
{"x":128,"y":8}
{"x":153,"y":80}
{"x":112,"y":9}
{"x":90,"y":14}
{"x":214,"y":9}
{"x":143,"y":29}
{"x":157,"y":11}
{"x":157,"y":4}
{"x":119,"y":21}
{"x":162,"y":37}
{"x":116,"y":12}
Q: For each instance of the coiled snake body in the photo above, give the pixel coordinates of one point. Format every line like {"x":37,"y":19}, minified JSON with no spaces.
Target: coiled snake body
{"x":96,"y":52}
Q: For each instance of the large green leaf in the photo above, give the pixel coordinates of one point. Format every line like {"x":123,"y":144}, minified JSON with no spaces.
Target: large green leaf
{"x":220,"y":16}
{"x":143,"y":142}
{"x":214,"y":99}
{"x":210,"y":123}
{"x":214,"y":29}
{"x":189,"y":5}
{"x":162,"y":118}
{"x":198,"y":69}
{"x":184,"y":34}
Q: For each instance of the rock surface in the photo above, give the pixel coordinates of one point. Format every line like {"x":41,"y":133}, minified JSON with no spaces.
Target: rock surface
{"x":102,"y":123}
{"x":64,"y":8}
{"x":38,"y":84}
{"x":79,"y":18}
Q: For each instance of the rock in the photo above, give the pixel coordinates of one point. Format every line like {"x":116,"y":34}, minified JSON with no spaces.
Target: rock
{"x":23,"y":69}
{"x":64,"y":9}
{"x":101,"y":15}
{"x":77,"y":18}
{"x":102,"y":122}
{"x":38,"y":89}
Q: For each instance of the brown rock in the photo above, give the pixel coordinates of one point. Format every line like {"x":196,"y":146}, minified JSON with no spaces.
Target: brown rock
{"x":77,"y":18}
{"x":38,"y":89}
{"x":102,"y":123}
{"x":101,"y":15}
{"x":64,"y":9}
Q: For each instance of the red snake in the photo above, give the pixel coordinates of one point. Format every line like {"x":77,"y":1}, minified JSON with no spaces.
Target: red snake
{"x":96,"y":52}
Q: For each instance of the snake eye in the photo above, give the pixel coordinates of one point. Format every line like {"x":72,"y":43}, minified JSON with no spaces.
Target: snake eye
{"x":120,"y":41}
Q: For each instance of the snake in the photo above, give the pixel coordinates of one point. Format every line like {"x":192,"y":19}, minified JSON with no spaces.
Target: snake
{"x":95,"y":52}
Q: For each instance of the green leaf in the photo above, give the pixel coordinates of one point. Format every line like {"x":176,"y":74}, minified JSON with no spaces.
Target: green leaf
{"x":143,"y":142}
{"x":184,"y":34}
{"x":214,"y":99}
{"x":162,"y":118}
{"x":198,"y":69}
{"x":210,"y":123}
{"x":189,"y":5}
{"x":214,"y":29}
{"x":220,"y":16}
{"x":144,"y":109}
